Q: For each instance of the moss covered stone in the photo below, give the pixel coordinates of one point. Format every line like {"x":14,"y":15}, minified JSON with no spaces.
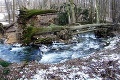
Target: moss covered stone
{"x":64,"y":34}
{"x":46,"y":40}
{"x":28,"y":34}
{"x":31,"y":31}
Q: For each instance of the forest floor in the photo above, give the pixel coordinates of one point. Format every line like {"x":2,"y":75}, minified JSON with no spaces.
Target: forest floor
{"x":100,"y":65}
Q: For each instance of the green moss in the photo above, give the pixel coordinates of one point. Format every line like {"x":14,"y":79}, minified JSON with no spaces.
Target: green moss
{"x":46,"y":40}
{"x":30,"y":31}
{"x":56,"y":27}
{"x":34,"y":12}
{"x":43,"y":30}
{"x":28,"y":34}
{"x":4,"y":63}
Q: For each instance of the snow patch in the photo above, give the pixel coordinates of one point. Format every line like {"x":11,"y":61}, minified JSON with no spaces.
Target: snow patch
{"x":94,"y":60}
{"x":40,"y":75}
{"x":64,"y":73}
{"x":111,"y":57}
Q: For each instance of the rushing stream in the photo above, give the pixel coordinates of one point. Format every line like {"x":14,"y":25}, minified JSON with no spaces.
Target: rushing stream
{"x":83,"y":45}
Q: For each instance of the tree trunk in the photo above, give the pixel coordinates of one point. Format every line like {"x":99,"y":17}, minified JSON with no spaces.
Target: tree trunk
{"x":8,"y":10}
{"x":72,"y":10}
{"x":68,"y":13}
{"x":13,"y":10}
{"x":97,"y":11}
{"x":113,"y":11}
{"x":91,"y":11}
{"x":69,"y":20}
{"x":46,"y":4}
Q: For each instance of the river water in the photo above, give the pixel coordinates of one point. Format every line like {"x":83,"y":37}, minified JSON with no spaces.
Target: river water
{"x":83,"y":45}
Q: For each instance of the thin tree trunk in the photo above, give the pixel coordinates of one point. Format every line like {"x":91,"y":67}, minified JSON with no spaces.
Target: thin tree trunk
{"x":72,"y":10}
{"x":97,"y":11}
{"x":91,"y":11}
{"x":113,"y":11}
{"x":68,"y":13}
{"x":46,"y":4}
{"x":13,"y":10}
{"x":8,"y":10}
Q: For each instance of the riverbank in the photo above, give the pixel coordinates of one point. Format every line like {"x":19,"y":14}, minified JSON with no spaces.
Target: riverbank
{"x":103,"y":64}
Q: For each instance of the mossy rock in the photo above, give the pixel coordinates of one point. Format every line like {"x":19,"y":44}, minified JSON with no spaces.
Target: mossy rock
{"x":64,"y":34}
{"x":41,"y":30}
{"x":57,"y":28}
{"x":31,"y":31}
{"x":46,"y":40}
{"x":28,"y":34}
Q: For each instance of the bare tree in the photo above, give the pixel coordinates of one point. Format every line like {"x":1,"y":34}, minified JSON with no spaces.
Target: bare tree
{"x":13,"y":12}
{"x":97,"y":11}
{"x":46,"y":4}
{"x":7,"y":3}
{"x":72,"y":10}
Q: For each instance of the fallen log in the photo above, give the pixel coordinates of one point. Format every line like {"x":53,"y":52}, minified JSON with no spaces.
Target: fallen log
{"x":74,"y":33}
{"x":89,"y":26}
{"x":40,"y":34}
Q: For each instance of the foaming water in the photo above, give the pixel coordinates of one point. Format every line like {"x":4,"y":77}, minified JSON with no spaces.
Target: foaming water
{"x":17,"y":54}
{"x":84,"y":44}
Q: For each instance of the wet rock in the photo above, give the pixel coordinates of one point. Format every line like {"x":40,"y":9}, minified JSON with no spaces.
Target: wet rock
{"x":46,"y":40}
{"x":64,"y":34}
{"x":101,"y":33}
{"x":104,"y":32}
